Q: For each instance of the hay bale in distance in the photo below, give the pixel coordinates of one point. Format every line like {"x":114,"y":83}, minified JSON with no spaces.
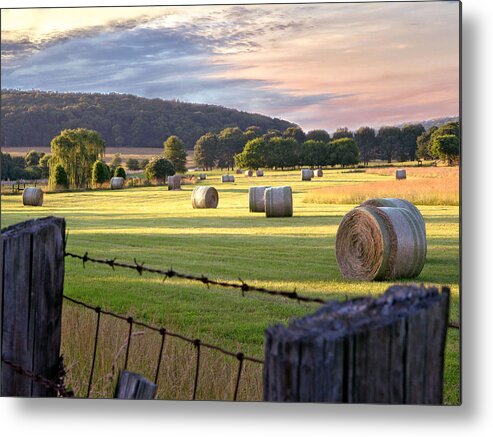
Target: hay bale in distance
{"x":174,"y":182}
{"x":205,"y":197}
{"x":239,"y":171}
{"x":306,"y":174}
{"x":256,"y":199}
{"x":227,"y":178}
{"x":259,"y":173}
{"x":248,"y":173}
{"x":318,"y":173}
{"x":203,"y":176}
{"x":400,"y":174}
{"x":32,"y":197}
{"x":117,"y":183}
{"x":378,"y":243}
{"x":390,"y":202}
{"x":278,"y":202}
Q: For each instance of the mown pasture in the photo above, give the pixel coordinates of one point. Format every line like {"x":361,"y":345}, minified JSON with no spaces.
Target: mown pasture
{"x":159,"y":227}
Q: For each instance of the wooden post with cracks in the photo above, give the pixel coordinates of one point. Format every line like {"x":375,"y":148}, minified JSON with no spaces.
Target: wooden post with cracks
{"x":385,"y":350}
{"x":31,"y":304}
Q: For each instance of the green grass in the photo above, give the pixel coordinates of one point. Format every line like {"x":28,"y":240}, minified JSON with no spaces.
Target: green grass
{"x":160,"y":228}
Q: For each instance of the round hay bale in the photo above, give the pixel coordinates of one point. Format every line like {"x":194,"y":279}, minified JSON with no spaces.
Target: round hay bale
{"x":378,"y":243}
{"x":32,"y":197}
{"x":390,"y":202}
{"x":259,"y":173}
{"x":278,"y":202}
{"x":174,"y":182}
{"x":239,"y":171}
{"x":400,"y":174}
{"x":248,"y":173}
{"x":205,"y":197}
{"x":203,"y":176}
{"x":256,"y":199}
{"x":306,"y":174}
{"x":117,"y":183}
{"x":227,"y":178}
{"x":318,"y":173}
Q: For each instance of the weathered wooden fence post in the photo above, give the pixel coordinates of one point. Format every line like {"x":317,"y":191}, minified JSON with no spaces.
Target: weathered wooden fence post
{"x":31,"y":299}
{"x":134,"y":386}
{"x":371,"y":350}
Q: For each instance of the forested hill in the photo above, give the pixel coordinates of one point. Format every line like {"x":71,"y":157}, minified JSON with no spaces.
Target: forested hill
{"x":33,"y":118}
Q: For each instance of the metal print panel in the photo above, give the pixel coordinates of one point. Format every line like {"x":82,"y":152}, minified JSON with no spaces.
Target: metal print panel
{"x":254,"y":202}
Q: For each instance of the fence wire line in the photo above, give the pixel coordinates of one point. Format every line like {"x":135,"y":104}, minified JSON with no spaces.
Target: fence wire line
{"x":57,"y":386}
{"x":193,"y":341}
{"x":170,"y":273}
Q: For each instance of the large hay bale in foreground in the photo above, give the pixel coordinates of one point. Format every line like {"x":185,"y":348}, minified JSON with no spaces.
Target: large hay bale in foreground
{"x":400,"y":174}
{"x":205,"y":197}
{"x":318,"y":173}
{"x":391,"y":202}
{"x":278,"y":202}
{"x":377,"y":243}
{"x":306,"y":174}
{"x":259,"y":173}
{"x":174,"y":182}
{"x":117,"y":183}
{"x":248,"y":173}
{"x":32,"y":197}
{"x":256,"y":199}
{"x":227,"y":178}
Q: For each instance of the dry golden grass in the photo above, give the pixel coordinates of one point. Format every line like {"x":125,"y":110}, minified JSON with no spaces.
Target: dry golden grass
{"x":423,"y":186}
{"x":217,"y":375}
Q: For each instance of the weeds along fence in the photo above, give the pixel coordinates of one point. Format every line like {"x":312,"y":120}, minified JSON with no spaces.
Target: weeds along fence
{"x":388,"y":349}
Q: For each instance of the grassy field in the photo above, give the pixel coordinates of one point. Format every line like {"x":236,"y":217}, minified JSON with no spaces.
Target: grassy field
{"x":160,"y":228}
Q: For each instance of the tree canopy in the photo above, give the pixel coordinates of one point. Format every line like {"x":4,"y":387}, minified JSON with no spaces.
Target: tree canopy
{"x":174,"y":151}
{"x":77,"y":150}
{"x":159,"y":168}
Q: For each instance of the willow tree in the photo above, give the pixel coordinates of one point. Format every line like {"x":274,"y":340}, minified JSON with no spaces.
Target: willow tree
{"x":77,"y":150}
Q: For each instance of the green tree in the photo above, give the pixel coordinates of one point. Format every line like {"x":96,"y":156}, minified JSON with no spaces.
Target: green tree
{"x":44,"y":165}
{"x":230,"y":142}
{"x":58,"y":177}
{"x":283,"y":152}
{"x":446,"y":147}
{"x":272,"y":133}
{"x":32,"y":158}
{"x":252,"y":132}
{"x":296,"y":133}
{"x":174,"y":151}
{"x":120,"y":173}
{"x":409,"y":137}
{"x":342,"y":132}
{"x":314,"y":154}
{"x":318,"y":135}
{"x":159,"y":168}
{"x":366,"y":140}
{"x":116,"y":160}
{"x":76,"y":150}
{"x":132,"y":164}
{"x":344,"y":152}
{"x":254,"y":155}
{"x":7,"y":166}
{"x":389,"y":142}
{"x":99,"y":173}
{"x":424,"y":144}
{"x":205,"y":151}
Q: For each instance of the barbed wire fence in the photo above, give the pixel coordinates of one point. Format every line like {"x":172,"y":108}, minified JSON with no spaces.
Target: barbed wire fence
{"x":58,"y":385}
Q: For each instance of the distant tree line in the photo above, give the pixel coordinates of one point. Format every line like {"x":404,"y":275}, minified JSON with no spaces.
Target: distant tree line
{"x":33,"y":118}
{"x":293,"y":147}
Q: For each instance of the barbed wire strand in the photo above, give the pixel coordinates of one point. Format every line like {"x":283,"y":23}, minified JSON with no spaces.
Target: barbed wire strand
{"x":242,"y":285}
{"x":58,"y":387}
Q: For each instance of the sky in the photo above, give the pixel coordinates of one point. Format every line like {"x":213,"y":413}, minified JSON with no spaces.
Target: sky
{"x":321,"y":66}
